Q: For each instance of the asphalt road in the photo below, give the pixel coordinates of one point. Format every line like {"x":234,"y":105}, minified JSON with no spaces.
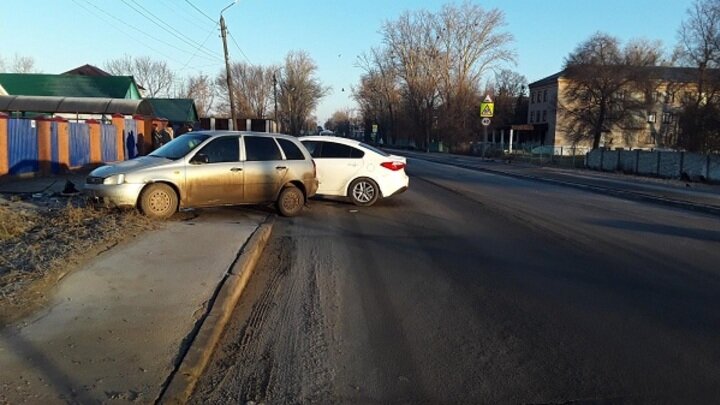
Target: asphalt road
{"x":478,"y":288}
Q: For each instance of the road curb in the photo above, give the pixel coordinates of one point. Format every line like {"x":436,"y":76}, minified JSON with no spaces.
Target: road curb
{"x":182,"y":383}
{"x":629,"y":195}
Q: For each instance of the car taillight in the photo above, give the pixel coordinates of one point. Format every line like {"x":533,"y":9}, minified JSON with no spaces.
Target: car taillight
{"x":394,"y":166}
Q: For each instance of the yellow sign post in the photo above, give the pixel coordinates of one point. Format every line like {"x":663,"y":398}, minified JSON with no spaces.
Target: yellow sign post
{"x":487,"y":108}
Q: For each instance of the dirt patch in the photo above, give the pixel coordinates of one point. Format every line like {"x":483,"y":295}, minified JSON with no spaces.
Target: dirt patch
{"x":43,"y":238}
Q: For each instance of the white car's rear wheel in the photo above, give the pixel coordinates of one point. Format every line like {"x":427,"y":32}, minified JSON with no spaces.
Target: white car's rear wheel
{"x":363,"y":192}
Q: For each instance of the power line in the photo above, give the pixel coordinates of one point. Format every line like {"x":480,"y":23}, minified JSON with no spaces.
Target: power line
{"x":125,"y":31}
{"x":238,"y":47}
{"x":201,"y":45}
{"x":200,"y":11}
{"x":176,"y":34}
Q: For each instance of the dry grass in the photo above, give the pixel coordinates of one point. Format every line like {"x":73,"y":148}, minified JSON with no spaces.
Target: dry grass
{"x":38,"y":247}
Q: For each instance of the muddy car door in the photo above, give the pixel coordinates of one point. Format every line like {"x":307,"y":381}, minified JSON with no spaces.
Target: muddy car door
{"x":214,"y":175}
{"x":264,"y":168}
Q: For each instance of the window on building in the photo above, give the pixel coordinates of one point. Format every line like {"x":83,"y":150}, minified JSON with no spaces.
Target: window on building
{"x":544,"y":95}
{"x":544,"y":116}
{"x":532,"y":97}
{"x":532,"y":114}
{"x":667,"y":118}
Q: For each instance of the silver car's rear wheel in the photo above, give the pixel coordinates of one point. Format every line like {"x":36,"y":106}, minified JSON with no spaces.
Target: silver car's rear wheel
{"x":159,"y":201}
{"x":364,"y":192}
{"x":291,"y":201}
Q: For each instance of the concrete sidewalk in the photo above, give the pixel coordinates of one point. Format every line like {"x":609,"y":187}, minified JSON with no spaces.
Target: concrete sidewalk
{"x":116,"y":329}
{"x":702,"y":196}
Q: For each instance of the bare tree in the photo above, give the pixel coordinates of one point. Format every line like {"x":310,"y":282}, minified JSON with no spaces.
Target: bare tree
{"x":435,"y":60}
{"x":299,"y":91}
{"x":19,"y":64}
{"x":201,"y":89}
{"x":602,"y":77}
{"x":339,"y":122}
{"x":699,"y":46}
{"x":153,"y":75}
{"x":253,"y":90}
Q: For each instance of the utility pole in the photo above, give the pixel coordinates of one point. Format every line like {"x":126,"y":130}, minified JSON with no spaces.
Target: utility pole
{"x":223,"y":32}
{"x":275,"y":99}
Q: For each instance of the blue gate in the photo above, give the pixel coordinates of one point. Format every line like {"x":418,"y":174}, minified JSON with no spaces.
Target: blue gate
{"x":108,"y":142}
{"x":79,"y":144}
{"x":22,"y":146}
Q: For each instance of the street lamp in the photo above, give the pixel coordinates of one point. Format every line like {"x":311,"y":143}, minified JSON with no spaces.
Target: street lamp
{"x":223,"y":33}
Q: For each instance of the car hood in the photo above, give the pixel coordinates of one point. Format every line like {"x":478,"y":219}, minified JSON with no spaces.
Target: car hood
{"x":129,"y":166}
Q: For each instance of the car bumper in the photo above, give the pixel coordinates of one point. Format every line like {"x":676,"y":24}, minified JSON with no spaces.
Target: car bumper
{"x":311,"y":187}
{"x":394,"y":184}
{"x":121,"y":195}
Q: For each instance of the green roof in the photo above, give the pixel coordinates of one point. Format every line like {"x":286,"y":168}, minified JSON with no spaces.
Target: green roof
{"x":19,"y":84}
{"x":176,"y":110}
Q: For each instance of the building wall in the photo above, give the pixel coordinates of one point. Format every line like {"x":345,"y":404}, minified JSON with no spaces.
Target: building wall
{"x":663,"y":103}
{"x":542,"y":109}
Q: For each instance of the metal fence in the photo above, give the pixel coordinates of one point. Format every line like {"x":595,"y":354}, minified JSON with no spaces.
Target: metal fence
{"x":673,"y":165}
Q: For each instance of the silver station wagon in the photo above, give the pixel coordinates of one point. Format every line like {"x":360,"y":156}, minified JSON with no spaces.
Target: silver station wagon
{"x":211,"y":168}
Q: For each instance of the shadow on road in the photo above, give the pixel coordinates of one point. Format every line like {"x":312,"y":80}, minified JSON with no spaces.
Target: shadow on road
{"x":662,"y":229}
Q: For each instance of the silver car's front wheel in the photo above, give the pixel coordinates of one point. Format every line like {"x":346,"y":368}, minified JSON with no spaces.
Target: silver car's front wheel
{"x":364,"y":192}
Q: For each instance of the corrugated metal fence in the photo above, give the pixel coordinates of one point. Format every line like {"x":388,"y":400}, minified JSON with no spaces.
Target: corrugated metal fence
{"x":22,"y":146}
{"x":108,"y":142}
{"x":79,"y":144}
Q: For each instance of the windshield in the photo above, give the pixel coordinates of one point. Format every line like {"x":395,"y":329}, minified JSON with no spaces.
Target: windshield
{"x":180,"y":146}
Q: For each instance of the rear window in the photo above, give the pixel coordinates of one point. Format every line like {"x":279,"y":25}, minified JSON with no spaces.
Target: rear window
{"x":258,"y":148}
{"x":374,"y":149}
{"x":313,"y":147}
{"x":292,"y":152}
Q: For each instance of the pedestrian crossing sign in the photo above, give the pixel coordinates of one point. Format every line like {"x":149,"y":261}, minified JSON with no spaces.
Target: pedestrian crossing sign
{"x":487,"y":108}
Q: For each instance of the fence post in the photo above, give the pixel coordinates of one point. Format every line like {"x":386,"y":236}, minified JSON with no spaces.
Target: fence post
{"x":637,"y":161}
{"x":4,"y":152}
{"x":617,"y":162}
{"x":44,"y":142}
{"x":707,"y":167}
{"x":602,"y":158}
{"x":657,"y":166}
{"x":63,"y":133}
{"x":682,"y":164}
{"x":119,"y":121}
{"x":95,"y":142}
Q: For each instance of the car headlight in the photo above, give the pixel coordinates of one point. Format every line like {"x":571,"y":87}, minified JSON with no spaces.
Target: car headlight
{"x":115,"y":179}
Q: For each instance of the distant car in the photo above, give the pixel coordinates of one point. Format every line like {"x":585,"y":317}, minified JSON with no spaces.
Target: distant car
{"x":211,"y":168}
{"x":352,"y":169}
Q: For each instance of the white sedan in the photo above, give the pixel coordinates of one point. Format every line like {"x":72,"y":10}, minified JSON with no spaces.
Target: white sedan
{"x":349,"y":168}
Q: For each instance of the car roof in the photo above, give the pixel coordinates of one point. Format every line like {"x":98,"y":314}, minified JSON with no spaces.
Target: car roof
{"x":253,"y":133}
{"x":346,"y":141}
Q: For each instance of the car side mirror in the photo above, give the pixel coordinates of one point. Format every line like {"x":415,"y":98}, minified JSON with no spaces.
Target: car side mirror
{"x":199,"y":159}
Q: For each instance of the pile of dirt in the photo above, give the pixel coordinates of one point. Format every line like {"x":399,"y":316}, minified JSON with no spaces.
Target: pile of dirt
{"x":43,"y":238}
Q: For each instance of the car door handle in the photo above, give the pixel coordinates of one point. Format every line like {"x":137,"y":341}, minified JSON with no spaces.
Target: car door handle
{"x":236,"y":169}
{"x":281,"y":167}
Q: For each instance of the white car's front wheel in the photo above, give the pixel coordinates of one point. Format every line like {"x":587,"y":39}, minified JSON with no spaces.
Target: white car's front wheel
{"x":364,"y":192}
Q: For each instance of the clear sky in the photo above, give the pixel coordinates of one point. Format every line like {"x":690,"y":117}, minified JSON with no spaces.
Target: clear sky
{"x":63,"y":34}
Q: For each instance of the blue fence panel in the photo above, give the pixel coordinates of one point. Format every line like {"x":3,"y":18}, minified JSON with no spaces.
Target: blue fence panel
{"x":79,"y":144}
{"x":108,"y":142}
{"x":54,"y":148}
{"x":22,"y":146}
{"x":130,"y":139}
